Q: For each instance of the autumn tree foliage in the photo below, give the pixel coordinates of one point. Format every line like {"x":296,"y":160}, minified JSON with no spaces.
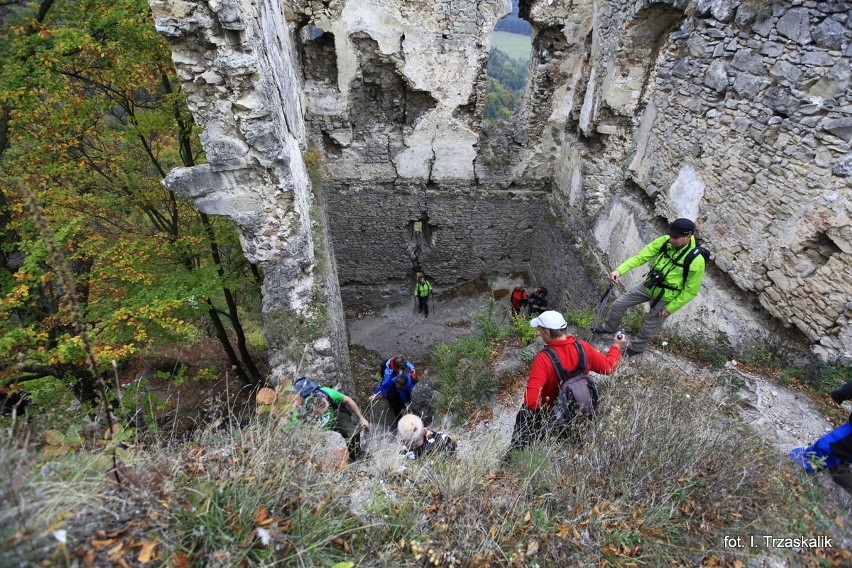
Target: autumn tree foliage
{"x":91,"y":120}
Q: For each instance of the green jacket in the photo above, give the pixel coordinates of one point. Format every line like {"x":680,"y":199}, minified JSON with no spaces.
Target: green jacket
{"x":336,"y":399}
{"x":669,"y":261}
{"x":422,"y":290}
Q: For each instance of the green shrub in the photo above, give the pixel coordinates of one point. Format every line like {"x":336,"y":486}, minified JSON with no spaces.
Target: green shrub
{"x":823,"y":378}
{"x":522,"y":327}
{"x":584,"y":318}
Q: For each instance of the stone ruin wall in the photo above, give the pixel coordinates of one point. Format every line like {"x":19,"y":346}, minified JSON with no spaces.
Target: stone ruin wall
{"x":745,"y":124}
{"x":736,"y":114}
{"x":233,"y":59}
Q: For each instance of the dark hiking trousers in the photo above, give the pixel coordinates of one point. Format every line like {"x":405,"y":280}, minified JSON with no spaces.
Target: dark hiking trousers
{"x":536,"y":425}
{"x":530,"y":426}
{"x":423,"y":305}
{"x":396,"y":404}
{"x":345,"y":425}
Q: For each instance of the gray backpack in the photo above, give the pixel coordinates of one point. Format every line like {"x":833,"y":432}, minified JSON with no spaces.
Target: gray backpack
{"x":578,"y":394}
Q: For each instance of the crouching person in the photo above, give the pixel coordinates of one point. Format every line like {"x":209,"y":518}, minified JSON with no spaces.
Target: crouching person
{"x":533,"y":421}
{"x":335,"y":411}
{"x":419,"y":440}
{"x":397,"y":391}
{"x":833,"y":451}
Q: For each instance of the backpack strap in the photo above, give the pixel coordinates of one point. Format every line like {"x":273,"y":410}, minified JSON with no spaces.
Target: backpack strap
{"x":691,"y":256}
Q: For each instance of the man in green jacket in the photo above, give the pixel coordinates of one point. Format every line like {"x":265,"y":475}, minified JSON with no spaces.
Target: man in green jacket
{"x":334,"y":410}
{"x":422,"y":290}
{"x":664,"y":286}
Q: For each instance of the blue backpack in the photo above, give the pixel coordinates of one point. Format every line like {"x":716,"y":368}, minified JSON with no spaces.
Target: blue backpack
{"x":305,"y":386}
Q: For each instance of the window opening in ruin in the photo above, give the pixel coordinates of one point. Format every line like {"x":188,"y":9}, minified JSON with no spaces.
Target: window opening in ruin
{"x":508,"y":66}
{"x":645,"y":36}
{"x":234,"y":37}
{"x":319,"y":57}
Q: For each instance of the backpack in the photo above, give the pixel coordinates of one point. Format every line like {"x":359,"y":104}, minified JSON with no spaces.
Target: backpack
{"x":578,"y":394}
{"x":306,"y":387}
{"x":691,"y":256}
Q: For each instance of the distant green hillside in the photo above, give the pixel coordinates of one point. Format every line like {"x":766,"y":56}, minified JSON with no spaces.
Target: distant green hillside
{"x":516,"y":46}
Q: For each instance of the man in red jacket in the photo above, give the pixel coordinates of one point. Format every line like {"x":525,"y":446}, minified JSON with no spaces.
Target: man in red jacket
{"x":543,"y":385}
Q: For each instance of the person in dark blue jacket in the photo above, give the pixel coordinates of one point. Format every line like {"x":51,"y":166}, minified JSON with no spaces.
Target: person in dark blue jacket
{"x":394,"y":366}
{"x":397,"y":391}
{"x":834,"y":450}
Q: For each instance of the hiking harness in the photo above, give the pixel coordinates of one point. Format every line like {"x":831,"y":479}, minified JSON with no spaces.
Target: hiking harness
{"x":577,"y":382}
{"x":657,"y":279}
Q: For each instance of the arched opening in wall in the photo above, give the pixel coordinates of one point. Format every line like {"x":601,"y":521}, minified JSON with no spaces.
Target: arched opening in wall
{"x":508,"y":67}
{"x":319,"y":57}
{"x":815,"y":253}
{"x":645,"y":36}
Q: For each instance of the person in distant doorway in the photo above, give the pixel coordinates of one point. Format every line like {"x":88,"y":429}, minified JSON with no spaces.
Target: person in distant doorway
{"x":422,"y":290}
{"x":396,"y":365}
{"x":833,"y":451}
{"x":537,"y":302}
{"x":518,"y":299}
{"x":532,"y":421}
{"x":397,"y":391}
{"x":419,"y":440}
{"x":666,"y":286}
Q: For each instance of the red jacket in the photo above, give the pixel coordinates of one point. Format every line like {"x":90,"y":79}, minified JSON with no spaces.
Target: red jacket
{"x":519,"y":297}
{"x":543,"y":385}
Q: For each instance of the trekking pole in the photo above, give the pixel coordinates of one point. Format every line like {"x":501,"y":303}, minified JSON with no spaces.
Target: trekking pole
{"x":600,"y":309}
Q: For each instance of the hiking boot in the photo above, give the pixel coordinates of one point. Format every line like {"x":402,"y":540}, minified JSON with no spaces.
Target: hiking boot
{"x":360,"y":456}
{"x":630,"y":352}
{"x":600,"y":329}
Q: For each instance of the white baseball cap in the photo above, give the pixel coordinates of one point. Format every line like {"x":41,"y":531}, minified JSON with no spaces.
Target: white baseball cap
{"x":550,"y":320}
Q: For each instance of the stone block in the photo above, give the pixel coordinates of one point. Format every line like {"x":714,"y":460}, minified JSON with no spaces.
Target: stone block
{"x":830,"y":33}
{"x":840,"y":127}
{"x":747,"y":85}
{"x":748,"y":61}
{"x":716,"y":76}
{"x":795,"y":25}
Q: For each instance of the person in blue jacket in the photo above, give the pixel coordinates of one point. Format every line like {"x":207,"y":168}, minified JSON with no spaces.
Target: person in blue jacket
{"x":397,"y":391}
{"x":394,"y":366}
{"x":834,"y":450}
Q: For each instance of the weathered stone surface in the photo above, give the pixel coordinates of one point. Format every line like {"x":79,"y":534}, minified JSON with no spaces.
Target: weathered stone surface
{"x":748,"y":61}
{"x":722,"y":10}
{"x":830,"y":33}
{"x":795,"y":25}
{"x":716,"y":76}
{"x":747,"y":85}
{"x":743,"y":126}
{"x":843,"y":167}
{"x":840,"y":127}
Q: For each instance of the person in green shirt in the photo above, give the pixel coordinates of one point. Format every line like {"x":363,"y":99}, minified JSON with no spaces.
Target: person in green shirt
{"x":421,"y":291}
{"x":334,"y":410}
{"x":664,"y":286}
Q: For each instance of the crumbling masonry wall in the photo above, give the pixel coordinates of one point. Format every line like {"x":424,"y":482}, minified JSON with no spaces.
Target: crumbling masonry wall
{"x":234,"y":59}
{"x":736,"y":114}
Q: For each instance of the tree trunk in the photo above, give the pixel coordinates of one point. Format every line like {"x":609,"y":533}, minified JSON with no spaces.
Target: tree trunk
{"x":233,"y":314}
{"x":222,"y":334}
